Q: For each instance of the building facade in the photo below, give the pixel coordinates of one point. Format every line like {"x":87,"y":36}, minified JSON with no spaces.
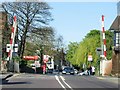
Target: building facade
{"x":4,"y":37}
{"x":115,"y":27}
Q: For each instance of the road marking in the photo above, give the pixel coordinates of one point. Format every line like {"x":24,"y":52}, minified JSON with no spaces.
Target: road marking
{"x":59,"y":82}
{"x":63,"y":79}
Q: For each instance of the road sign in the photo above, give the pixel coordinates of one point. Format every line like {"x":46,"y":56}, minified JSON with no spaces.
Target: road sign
{"x":30,"y":57}
{"x":45,"y":58}
{"x":37,"y":64}
{"x":89,"y":57}
{"x":15,"y":48}
{"x":102,"y":56}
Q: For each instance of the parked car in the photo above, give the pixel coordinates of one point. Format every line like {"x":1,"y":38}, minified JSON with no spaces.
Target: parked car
{"x":68,"y":70}
{"x":76,"y":71}
{"x":50,"y":71}
{"x":83,"y":73}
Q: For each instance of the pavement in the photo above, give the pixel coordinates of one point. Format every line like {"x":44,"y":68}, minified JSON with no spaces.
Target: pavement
{"x":109,"y":79}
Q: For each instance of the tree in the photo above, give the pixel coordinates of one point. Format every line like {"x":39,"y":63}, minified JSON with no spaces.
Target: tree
{"x":58,"y":47}
{"x":30,"y":15}
{"x":109,"y":43}
{"x":42,"y":38}
{"x":59,"y":42}
{"x":72,"y":47}
{"x":78,"y":55}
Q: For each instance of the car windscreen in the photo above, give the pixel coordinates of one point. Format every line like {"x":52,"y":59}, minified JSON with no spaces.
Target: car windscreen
{"x":68,"y":69}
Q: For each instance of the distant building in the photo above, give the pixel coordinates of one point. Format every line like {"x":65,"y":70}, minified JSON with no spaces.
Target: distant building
{"x":115,"y":27}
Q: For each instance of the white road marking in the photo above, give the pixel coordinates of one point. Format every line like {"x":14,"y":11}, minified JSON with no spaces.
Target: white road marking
{"x":59,"y":82}
{"x":63,"y":79}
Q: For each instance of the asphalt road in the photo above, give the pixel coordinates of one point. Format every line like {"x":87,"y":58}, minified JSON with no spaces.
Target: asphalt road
{"x":62,"y":82}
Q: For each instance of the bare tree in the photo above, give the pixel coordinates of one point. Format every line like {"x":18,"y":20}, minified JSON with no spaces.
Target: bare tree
{"x":59,"y":42}
{"x":30,"y":15}
{"x":43,"y":38}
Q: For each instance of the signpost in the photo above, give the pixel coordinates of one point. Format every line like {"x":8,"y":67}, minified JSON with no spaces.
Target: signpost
{"x":99,"y":52}
{"x":37,"y":64}
{"x":45,"y":60}
{"x":90,"y":58}
{"x":15,"y":48}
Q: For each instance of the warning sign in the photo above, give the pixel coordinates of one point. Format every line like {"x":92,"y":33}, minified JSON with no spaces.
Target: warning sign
{"x":45,"y":58}
{"x":90,"y":58}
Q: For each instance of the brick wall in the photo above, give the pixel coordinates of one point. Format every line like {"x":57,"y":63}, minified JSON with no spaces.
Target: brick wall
{"x":3,"y":20}
{"x":116,"y":63}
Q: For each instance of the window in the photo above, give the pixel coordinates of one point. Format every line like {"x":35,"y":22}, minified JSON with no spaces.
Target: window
{"x":117,"y":39}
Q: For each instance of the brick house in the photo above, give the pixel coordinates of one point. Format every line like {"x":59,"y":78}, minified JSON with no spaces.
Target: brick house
{"x":4,"y":36}
{"x":115,"y":27}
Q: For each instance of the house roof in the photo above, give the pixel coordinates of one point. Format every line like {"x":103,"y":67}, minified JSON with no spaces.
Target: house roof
{"x":115,"y":24}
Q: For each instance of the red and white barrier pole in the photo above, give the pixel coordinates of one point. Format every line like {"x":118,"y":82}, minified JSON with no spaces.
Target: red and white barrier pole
{"x":12,"y":39}
{"x":104,"y":40}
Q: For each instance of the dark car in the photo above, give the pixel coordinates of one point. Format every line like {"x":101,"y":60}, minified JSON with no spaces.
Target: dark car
{"x":50,"y":71}
{"x":68,"y":70}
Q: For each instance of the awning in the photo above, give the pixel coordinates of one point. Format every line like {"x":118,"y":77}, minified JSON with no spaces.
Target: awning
{"x":115,"y":24}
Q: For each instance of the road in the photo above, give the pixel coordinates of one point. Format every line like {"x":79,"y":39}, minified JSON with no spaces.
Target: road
{"x":62,"y":82}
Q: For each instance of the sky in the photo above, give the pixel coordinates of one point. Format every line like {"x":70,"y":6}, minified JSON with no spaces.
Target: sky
{"x":73,"y":20}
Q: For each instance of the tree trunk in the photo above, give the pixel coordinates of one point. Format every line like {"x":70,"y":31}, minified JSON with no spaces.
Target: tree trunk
{"x":20,"y":47}
{"x":23,"y":46}
{"x":24,"y":38}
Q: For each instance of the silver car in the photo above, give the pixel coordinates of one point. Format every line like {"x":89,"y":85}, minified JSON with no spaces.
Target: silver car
{"x":83,"y":73}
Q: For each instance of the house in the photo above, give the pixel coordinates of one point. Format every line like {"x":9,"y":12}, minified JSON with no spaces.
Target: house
{"x":3,"y":20}
{"x":115,"y":27}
